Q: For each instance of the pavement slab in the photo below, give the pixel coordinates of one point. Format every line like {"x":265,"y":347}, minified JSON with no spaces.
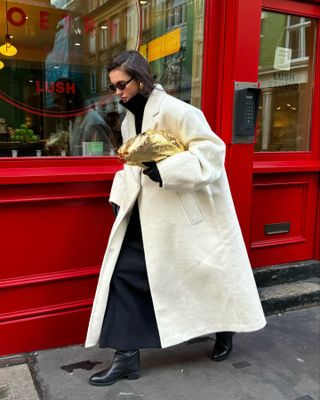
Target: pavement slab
{"x":16,"y":383}
{"x":279,"y":362}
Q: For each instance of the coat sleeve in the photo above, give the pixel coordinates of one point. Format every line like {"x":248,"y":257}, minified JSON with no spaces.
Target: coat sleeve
{"x":203,"y":161}
{"x":116,"y":193}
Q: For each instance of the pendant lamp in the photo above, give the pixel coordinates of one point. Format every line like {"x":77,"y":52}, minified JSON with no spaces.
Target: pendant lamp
{"x":7,"y":49}
{"x":1,"y":64}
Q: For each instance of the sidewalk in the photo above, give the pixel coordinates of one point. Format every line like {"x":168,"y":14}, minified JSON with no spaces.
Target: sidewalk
{"x":280,"y":362}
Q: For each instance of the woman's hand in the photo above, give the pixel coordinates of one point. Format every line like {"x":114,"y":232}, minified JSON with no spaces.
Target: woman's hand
{"x":152,"y":172}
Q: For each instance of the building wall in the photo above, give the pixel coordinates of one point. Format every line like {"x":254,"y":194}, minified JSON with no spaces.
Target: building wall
{"x":54,"y":209}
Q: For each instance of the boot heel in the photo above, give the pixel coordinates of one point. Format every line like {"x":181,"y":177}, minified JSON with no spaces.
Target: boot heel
{"x":134,"y":375}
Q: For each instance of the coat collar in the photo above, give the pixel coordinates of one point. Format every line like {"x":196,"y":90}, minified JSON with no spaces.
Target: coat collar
{"x":151,"y":111}
{"x":152,"y":107}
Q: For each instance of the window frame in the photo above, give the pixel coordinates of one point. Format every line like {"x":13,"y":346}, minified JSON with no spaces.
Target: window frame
{"x":301,"y":10}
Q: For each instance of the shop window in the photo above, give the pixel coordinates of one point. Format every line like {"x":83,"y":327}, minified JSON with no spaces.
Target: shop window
{"x":286,"y":69}
{"x":176,"y":12}
{"x":130,"y":22}
{"x":93,"y":81}
{"x":92,"y":5}
{"x":145,"y":16}
{"x":104,"y":77}
{"x":103,"y":36}
{"x":296,"y":36}
{"x":59,"y":77}
{"x":115,"y":34}
{"x":92,"y":42}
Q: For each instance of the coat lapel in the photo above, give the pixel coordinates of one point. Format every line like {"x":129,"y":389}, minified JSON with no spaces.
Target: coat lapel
{"x":152,"y":108}
{"x":128,"y":129}
{"x":151,"y":111}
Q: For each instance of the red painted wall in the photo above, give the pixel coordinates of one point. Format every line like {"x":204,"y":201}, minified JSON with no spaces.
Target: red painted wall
{"x":55,"y":221}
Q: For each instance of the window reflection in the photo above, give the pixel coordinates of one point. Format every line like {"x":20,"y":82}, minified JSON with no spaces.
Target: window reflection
{"x":285,"y":76}
{"x":65,"y":43}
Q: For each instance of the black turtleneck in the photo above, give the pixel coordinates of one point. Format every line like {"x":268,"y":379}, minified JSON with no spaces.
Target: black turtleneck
{"x":136,"y":106}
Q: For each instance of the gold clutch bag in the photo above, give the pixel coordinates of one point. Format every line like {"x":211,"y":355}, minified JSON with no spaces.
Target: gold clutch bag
{"x":152,"y":145}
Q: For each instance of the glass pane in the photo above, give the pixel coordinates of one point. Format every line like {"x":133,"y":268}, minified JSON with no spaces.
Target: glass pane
{"x":286,"y":71}
{"x":294,"y":42}
{"x":54,"y":98}
{"x":173,"y":44}
{"x":294,"y":20}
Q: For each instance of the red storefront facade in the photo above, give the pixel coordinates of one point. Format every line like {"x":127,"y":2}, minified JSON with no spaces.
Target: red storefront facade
{"x":54,"y":212}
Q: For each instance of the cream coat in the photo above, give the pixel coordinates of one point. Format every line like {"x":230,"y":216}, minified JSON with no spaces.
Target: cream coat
{"x":200,"y":277}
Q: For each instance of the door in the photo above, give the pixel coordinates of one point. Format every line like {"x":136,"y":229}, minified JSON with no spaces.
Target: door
{"x":274,"y":177}
{"x":286,"y":152}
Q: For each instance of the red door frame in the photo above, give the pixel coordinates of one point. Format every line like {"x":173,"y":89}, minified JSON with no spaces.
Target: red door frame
{"x":312,"y":11}
{"x":224,"y":19}
{"x":234,"y":42}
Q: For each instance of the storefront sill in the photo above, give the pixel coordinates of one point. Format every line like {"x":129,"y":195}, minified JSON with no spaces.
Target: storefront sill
{"x":13,"y":176}
{"x":265,"y":167}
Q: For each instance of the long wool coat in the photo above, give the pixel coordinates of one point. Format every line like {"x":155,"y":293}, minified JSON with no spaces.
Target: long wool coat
{"x":199,"y":274}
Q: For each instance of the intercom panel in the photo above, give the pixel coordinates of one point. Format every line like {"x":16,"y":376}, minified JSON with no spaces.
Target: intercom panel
{"x":246,"y":103}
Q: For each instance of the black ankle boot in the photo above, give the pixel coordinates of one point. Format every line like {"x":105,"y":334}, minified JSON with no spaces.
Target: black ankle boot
{"x":223,"y":346}
{"x":125,"y":364}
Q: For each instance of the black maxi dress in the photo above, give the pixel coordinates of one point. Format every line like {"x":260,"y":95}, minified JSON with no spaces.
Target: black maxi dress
{"x":129,"y":321}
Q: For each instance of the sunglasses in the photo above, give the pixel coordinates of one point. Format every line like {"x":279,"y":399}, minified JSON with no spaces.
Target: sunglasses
{"x":121,"y":85}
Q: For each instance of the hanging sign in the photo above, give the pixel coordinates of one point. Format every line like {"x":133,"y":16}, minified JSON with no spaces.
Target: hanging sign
{"x":164,"y":45}
{"x":282,"y":58}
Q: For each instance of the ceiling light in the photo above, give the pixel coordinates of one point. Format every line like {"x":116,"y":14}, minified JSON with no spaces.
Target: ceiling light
{"x":7,"y":49}
{"x":77,"y":44}
{"x":104,"y":27}
{"x":1,"y":65}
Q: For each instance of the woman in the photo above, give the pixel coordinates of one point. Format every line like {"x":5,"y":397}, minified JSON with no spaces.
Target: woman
{"x":176,"y":266}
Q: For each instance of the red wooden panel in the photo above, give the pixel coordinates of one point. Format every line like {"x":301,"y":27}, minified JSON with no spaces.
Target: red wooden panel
{"x":240,"y":178}
{"x":53,"y":238}
{"x":317,"y":230}
{"x":273,"y":200}
{"x":53,"y":191}
{"x":231,"y":53}
{"x":278,"y":199}
{"x":25,"y":297}
{"x":48,"y":236}
{"x":57,"y":169}
{"x":212,"y":82}
{"x":45,"y":331}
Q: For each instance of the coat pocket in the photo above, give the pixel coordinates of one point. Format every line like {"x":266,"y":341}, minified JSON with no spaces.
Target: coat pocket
{"x":190,"y":207}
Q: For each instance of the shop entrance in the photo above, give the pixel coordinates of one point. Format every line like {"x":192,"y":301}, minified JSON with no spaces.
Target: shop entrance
{"x":275,"y":176}
{"x":284,"y":221}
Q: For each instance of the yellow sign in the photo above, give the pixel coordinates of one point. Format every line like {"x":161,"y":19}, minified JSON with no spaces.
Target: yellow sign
{"x":164,"y":45}
{"x":143,"y":51}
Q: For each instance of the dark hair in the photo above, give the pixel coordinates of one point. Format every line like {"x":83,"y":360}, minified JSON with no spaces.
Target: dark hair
{"x":135,"y":65}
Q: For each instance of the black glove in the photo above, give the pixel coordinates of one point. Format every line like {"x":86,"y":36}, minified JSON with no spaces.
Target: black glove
{"x":115,"y":208}
{"x":152,"y":172}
